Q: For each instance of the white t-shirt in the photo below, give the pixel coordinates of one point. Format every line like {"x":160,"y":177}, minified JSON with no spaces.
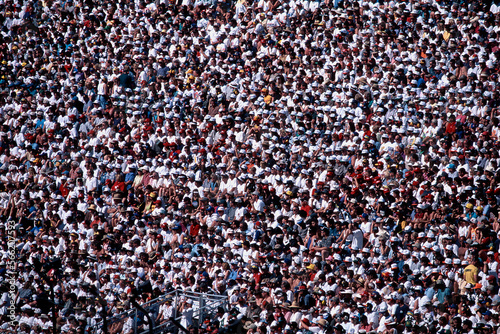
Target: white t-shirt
{"x":357,"y":239}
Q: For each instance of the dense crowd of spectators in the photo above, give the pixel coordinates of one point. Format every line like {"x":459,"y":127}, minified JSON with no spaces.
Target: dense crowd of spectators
{"x":330,"y":166}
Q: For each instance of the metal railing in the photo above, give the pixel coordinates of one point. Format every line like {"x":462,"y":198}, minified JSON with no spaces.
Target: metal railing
{"x":204,"y":305}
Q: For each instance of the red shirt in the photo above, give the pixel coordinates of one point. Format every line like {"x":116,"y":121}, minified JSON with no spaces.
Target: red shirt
{"x":118,"y":186}
{"x":306,"y":208}
{"x":194,"y":230}
{"x":257,"y":277}
{"x":450,"y":127}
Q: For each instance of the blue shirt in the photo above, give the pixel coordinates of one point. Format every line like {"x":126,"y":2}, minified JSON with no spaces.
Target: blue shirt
{"x":40,"y":123}
{"x":429,"y":293}
{"x":129,"y":177}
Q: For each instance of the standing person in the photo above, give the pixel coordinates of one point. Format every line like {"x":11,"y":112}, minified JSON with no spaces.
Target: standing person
{"x":186,"y":311}
{"x":102,"y":92}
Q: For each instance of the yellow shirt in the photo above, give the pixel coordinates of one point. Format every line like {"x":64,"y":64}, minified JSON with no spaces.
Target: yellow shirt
{"x":446,"y":36}
{"x":470,"y":272}
{"x":268,"y":99}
